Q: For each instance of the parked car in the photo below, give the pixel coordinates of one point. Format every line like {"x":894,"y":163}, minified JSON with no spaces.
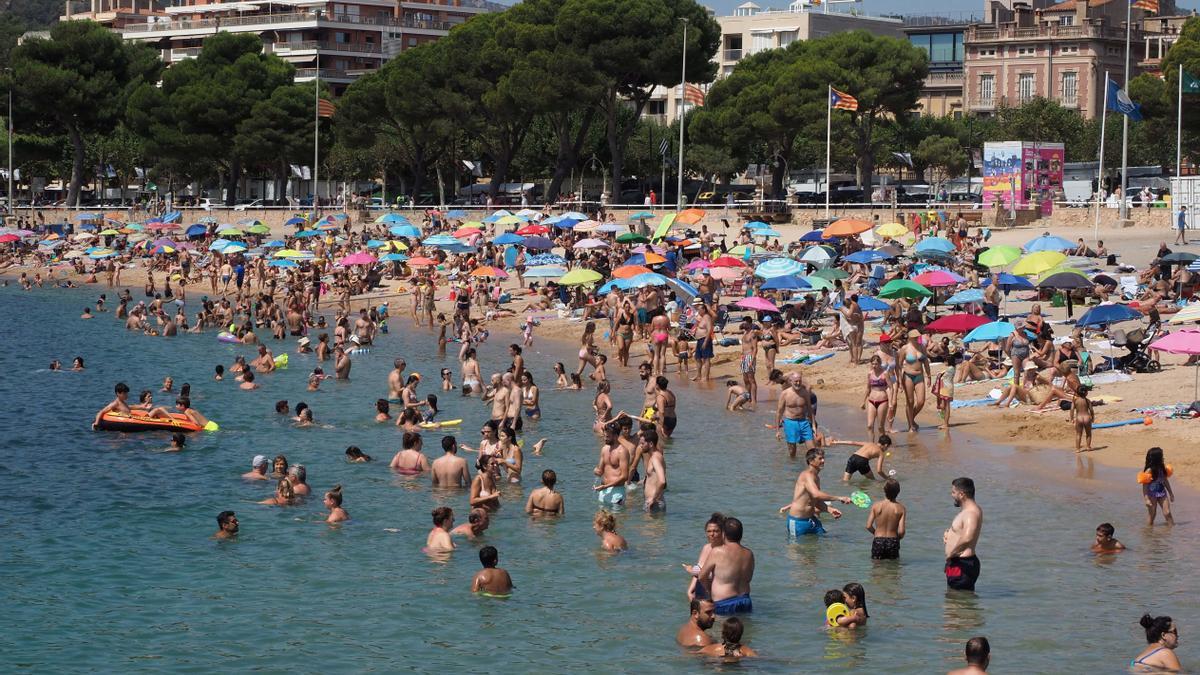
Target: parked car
{"x":253,"y":204}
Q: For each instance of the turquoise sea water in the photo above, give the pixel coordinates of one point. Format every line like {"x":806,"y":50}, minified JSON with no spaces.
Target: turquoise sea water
{"x":108,"y":565}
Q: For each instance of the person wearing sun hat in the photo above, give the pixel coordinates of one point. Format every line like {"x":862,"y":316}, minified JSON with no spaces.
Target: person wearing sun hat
{"x":258,"y":469}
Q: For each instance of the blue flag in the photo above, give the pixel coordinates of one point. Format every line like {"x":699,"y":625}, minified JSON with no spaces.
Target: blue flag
{"x":1118,"y":101}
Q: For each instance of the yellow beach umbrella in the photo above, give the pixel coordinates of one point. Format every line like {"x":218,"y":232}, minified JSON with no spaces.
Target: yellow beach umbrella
{"x":1036,"y":263}
{"x":578,"y":277}
{"x":108,"y":232}
{"x":891,"y":230}
{"x":288,"y":253}
{"x":394,"y":245}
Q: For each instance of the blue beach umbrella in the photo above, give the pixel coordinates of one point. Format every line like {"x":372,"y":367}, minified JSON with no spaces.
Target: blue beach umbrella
{"x":274,"y":243}
{"x":509,"y":238}
{"x":768,"y":232}
{"x":545,"y":259}
{"x":682,"y":288}
{"x":304,"y":234}
{"x":641,"y":215}
{"x":621,"y":284}
{"x":538,"y":243}
{"x":756,"y":225}
{"x":785,"y":283}
{"x":1103,"y":315}
{"x":966,"y":297}
{"x":405,"y":230}
{"x":778,"y":267}
{"x":869,"y":304}
{"x":393,"y":257}
{"x":1048,"y":242}
{"x":293,"y":221}
{"x":456,"y":213}
{"x":993,"y":331}
{"x":545,"y":272}
{"x":219,"y":244}
{"x":866,"y":257}
{"x":647,"y":279}
{"x":1009,"y":282}
{"x":938,"y":244}
{"x":814,"y":236}
{"x":441,"y":240}
{"x":195,"y":230}
{"x":283,"y":262}
{"x":392,"y":219}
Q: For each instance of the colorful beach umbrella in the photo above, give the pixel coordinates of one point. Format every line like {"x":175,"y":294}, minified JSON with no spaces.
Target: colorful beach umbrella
{"x":689,"y":216}
{"x":1108,"y":314}
{"x":785,"y":283}
{"x":545,"y":272}
{"x":1036,"y":263}
{"x":956,"y":323}
{"x":999,"y":256}
{"x":938,"y":244}
{"x":421,"y":261}
{"x":590,"y":243}
{"x":580,"y":276}
{"x":405,"y":230}
{"x":868,"y":304}
{"x":904,"y":288}
{"x":938,"y":279}
{"x":994,"y":331}
{"x":966,"y":297}
{"x":867,"y":256}
{"x":508,"y":238}
{"x":489,"y":271}
{"x":631,"y":238}
{"x":757,"y":303}
{"x":1048,"y":242}
{"x":538,"y":243}
{"x":360,"y":258}
{"x":393,"y":257}
{"x":891,"y":230}
{"x":831,"y":274}
{"x":727,"y":261}
{"x":533,"y":230}
{"x":845,"y":227}
{"x":629,"y":271}
{"x":778,"y":267}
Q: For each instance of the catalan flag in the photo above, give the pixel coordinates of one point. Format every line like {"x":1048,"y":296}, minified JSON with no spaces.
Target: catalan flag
{"x":843,"y":101}
{"x":325,"y":108}
{"x":1148,"y":5}
{"x":693,"y":94}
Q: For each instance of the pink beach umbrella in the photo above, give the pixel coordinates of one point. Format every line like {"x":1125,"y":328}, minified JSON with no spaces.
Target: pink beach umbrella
{"x":360,"y":258}
{"x":937,"y":278}
{"x":726,"y":273}
{"x":698,"y":264}
{"x":758,"y":304}
{"x":1186,"y":341}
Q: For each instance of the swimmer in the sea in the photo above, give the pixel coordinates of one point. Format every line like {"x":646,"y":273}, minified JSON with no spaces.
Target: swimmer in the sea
{"x":694,"y":633}
{"x":258,"y":469}
{"x":410,"y":461}
{"x":491,"y":580}
{"x":77,"y":364}
{"x":1105,"y":541}
{"x":808,"y":500}
{"x":355,"y":455}
{"x":227,"y":525}
{"x":439,"y":537}
{"x":248,"y":383}
{"x":118,"y":404}
{"x":178,"y":440}
{"x":382,"y":410}
{"x":478,"y":521}
{"x":333,"y":502}
{"x":545,"y":500}
{"x":886,"y":520}
{"x":860,"y":461}
{"x":605,"y":526}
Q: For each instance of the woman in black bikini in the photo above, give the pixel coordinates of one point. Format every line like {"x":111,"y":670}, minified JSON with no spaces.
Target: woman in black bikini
{"x":877,"y":397}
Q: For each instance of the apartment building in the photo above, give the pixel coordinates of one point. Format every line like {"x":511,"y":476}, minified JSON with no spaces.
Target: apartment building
{"x":336,"y":40}
{"x":752,"y":28}
{"x":1059,"y":51}
{"x":942,"y":42}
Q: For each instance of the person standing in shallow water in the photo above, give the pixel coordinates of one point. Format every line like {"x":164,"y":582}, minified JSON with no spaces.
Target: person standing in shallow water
{"x":962,"y":565}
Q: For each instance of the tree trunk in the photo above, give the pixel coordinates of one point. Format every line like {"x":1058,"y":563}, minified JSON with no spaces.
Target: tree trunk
{"x":418,"y":172}
{"x":77,"y":154}
{"x":231,"y":183}
{"x":569,"y":146}
{"x":865,"y":162}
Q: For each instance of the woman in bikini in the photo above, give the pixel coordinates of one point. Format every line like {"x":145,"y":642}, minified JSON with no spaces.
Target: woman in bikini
{"x":626,"y":316}
{"x":587,"y":347}
{"x":770,"y":340}
{"x":484,"y":493}
{"x":410,"y":461}
{"x":530,"y":396}
{"x":603,"y":406}
{"x":1159,"y":655}
{"x":510,"y":452}
{"x":877,"y":398}
{"x":731,"y":646}
{"x":914,"y":371}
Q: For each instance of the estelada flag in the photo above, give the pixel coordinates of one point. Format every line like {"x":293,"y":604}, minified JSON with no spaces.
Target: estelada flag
{"x":693,"y":94}
{"x":1148,"y":5}
{"x":325,"y":108}
{"x":842,"y":100}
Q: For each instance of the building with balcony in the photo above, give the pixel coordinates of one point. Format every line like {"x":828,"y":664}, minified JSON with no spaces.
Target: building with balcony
{"x":1059,"y":51}
{"x":336,"y":40}
{"x":752,"y":29}
{"x":942,"y":42}
{"x":1159,"y":33}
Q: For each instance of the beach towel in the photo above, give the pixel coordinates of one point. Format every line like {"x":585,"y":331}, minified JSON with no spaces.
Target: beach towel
{"x":1111,"y":378}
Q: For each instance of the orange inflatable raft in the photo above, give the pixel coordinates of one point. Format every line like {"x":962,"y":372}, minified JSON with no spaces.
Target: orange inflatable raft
{"x":118,"y":421}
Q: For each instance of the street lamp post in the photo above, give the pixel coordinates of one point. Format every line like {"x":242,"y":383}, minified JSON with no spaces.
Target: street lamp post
{"x":316,"y":172}
{"x":12,"y":203}
{"x":682,"y":99}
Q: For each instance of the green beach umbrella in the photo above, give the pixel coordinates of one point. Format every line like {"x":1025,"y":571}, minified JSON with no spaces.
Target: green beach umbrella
{"x":818,"y":283}
{"x":831,"y":274}
{"x":999,"y":256}
{"x":580,"y":276}
{"x":632,"y":237}
{"x":258,"y":229}
{"x":903,"y":288}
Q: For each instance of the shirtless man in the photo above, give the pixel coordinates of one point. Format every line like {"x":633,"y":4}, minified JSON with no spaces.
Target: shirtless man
{"x":396,"y":380}
{"x":808,"y":499}
{"x":886,"y":521}
{"x":991,"y":299}
{"x":794,"y":415}
{"x":978,"y":653}
{"x":962,"y":565}
{"x":439,"y":536}
{"x":450,"y":470}
{"x":265,"y":362}
{"x":512,"y":409}
{"x":664,"y":403}
{"x":860,"y":461}
{"x":545,"y":500}
{"x":364,"y":328}
{"x":491,"y":580}
{"x":499,"y":397}
{"x":614,"y":466}
{"x":727,"y":573}
{"x":258,"y":469}
{"x":518,"y":361}
{"x":694,"y":632}
{"x":118,"y":404}
{"x":660,"y":335}
{"x":227,"y":525}
{"x":341,"y":363}
{"x":704,"y":339}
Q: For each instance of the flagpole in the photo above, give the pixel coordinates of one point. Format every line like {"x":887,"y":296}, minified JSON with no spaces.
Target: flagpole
{"x":1100,"y":174}
{"x":1125,"y":117}
{"x":316,"y":133}
{"x":1179,"y":127}
{"x":828,"y":134}
{"x":682,"y":98}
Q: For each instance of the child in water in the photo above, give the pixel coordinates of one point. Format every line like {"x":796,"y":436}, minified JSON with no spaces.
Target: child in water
{"x":1105,"y":541}
{"x":605,"y":525}
{"x":738,"y":396}
{"x":1156,"y":486}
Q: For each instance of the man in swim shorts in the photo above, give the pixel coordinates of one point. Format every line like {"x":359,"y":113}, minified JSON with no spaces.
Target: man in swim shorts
{"x":794,"y":415}
{"x":860,"y":461}
{"x":727,"y":573}
{"x":962,"y":565}
{"x":808,"y":500}
{"x":885,"y":520}
{"x":704,"y":339}
{"x":614,"y":466}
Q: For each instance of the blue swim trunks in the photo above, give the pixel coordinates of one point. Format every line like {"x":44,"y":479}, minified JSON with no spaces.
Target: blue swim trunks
{"x":612,"y":495}
{"x":738,"y":604}
{"x":798,"y":527}
{"x":797,"y":430}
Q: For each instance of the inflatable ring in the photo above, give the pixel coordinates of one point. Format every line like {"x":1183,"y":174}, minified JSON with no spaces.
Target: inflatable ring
{"x":225,"y":336}
{"x":834,"y":612}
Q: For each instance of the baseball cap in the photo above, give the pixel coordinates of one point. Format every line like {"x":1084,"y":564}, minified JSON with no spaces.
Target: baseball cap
{"x":259,"y":460}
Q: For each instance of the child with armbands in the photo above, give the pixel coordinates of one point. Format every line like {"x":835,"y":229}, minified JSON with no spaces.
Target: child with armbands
{"x":1156,"y":486}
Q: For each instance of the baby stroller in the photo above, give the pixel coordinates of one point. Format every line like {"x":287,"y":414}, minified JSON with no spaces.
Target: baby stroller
{"x":1137,"y":341}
